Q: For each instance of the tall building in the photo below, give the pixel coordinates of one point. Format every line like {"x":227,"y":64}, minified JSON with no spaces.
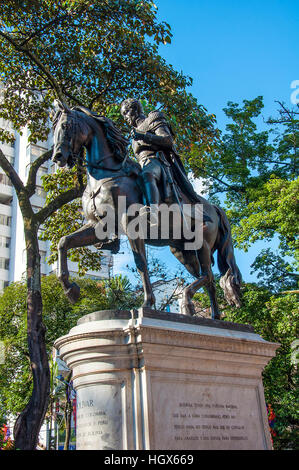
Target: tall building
{"x":12,"y":243}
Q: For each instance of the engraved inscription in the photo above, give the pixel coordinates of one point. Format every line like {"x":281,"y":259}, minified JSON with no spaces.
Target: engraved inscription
{"x":207,"y":422}
{"x":99,"y":417}
{"x":208,"y":417}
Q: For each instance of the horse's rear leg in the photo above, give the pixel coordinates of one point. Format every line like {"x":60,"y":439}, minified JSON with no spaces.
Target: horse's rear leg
{"x":191,"y":262}
{"x":138,"y":249}
{"x":85,"y":236}
{"x":211,"y":288}
{"x":198,"y":264}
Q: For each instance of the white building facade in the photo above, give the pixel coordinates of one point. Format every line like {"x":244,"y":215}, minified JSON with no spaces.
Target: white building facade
{"x":12,"y":243}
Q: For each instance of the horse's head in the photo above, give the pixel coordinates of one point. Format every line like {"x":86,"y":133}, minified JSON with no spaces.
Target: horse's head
{"x":69,"y":136}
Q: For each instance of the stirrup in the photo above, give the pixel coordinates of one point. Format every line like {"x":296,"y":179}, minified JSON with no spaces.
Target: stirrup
{"x":150,"y":214}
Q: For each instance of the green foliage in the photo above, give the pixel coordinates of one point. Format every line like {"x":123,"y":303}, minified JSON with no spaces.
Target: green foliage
{"x":257,"y":172}
{"x":274,"y":272}
{"x":273,"y":209}
{"x":90,"y":53}
{"x":59,"y":316}
{"x":13,"y":334}
{"x":97,"y":54}
{"x":240,"y":152}
{"x":259,"y":178}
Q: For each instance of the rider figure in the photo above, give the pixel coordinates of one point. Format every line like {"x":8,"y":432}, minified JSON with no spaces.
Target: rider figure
{"x":154,"y":148}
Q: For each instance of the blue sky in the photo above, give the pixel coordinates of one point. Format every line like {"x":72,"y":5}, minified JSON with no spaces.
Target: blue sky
{"x":233,"y":50}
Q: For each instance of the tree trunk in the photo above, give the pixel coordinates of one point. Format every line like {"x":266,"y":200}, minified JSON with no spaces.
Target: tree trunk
{"x":68,"y":412}
{"x":68,"y":420}
{"x":29,"y":422}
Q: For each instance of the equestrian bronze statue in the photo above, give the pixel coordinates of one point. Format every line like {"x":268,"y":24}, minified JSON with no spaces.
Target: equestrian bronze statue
{"x":157,"y":179}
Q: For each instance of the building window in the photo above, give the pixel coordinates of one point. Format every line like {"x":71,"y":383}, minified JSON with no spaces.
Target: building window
{"x":35,"y":151}
{"x":10,"y":159}
{"x":42,"y":171}
{"x":5,"y":180}
{"x":3,"y":284}
{"x":5,"y":220}
{"x":43,"y":256}
{"x":36,"y":209}
{"x":40,"y":231}
{"x":40,"y":192}
{"x":4,"y":242}
{"x":4,"y":263}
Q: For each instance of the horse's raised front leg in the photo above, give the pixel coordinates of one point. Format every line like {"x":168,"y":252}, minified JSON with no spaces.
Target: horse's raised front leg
{"x":138,"y":249}
{"x":85,"y":236}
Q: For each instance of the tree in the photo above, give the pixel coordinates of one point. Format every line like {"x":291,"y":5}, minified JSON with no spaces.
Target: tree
{"x":239,"y":152}
{"x":274,"y":272}
{"x":29,"y":422}
{"x":93,"y":54}
{"x":255,"y":173}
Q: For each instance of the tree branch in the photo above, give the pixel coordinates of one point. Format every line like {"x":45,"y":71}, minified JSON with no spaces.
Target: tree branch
{"x":36,"y":61}
{"x":238,"y":189}
{"x":60,"y":92}
{"x":41,"y":30}
{"x":31,"y":180}
{"x":104,"y":90}
{"x":58,"y":202}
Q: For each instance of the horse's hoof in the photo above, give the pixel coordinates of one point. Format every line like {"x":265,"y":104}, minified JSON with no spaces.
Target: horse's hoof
{"x":73,"y":293}
{"x":188,"y":309}
{"x":216,"y":316}
{"x":148,"y":304}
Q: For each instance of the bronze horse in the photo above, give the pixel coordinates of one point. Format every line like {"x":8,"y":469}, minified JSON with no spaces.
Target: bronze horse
{"x":112,"y":174}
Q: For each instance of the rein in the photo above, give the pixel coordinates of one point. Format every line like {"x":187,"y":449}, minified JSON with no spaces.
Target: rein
{"x":101,"y":167}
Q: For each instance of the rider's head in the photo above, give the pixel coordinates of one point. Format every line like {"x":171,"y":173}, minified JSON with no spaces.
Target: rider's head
{"x":131,"y":109}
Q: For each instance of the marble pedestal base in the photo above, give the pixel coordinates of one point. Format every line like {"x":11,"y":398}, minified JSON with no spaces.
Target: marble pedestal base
{"x":160,"y":381}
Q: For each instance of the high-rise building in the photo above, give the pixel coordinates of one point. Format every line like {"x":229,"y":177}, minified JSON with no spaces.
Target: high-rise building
{"x":12,"y":243}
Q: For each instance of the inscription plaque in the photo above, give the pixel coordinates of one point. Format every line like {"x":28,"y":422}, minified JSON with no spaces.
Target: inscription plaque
{"x":99,"y":417}
{"x":207,"y":417}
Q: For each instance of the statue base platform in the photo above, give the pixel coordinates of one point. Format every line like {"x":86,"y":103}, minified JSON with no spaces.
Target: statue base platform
{"x":150,"y":380}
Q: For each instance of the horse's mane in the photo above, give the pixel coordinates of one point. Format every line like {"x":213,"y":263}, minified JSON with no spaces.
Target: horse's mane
{"x":116,"y":140}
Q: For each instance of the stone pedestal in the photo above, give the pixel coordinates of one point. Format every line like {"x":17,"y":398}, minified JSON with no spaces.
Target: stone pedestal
{"x":158,"y":381}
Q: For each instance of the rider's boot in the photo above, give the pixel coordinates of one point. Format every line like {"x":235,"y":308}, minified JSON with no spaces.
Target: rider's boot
{"x":152,"y":197}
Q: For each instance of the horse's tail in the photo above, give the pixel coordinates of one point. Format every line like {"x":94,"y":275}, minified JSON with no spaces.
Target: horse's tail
{"x":231,"y":278}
